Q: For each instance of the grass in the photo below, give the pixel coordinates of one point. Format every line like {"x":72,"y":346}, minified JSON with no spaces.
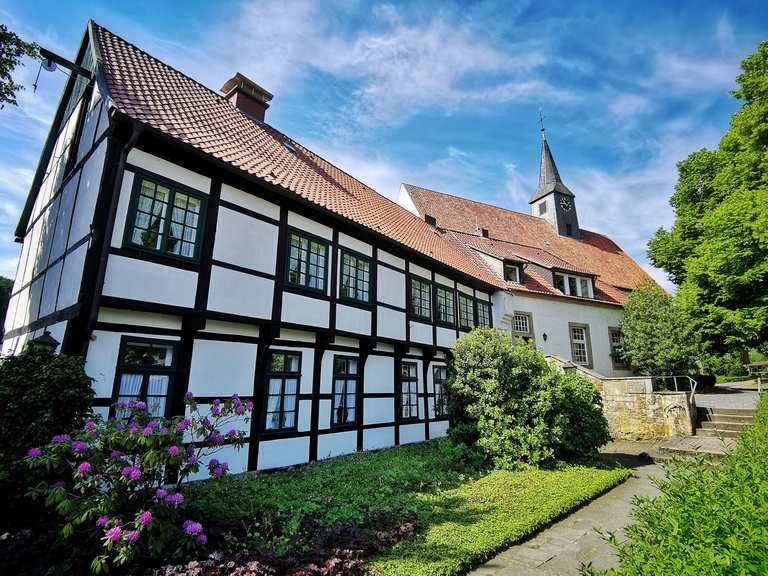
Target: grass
{"x":463,"y":514}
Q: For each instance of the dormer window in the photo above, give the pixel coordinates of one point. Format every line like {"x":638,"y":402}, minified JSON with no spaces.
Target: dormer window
{"x":484,"y":232}
{"x":429,"y":219}
{"x":574,"y":285}
{"x":512,"y":272}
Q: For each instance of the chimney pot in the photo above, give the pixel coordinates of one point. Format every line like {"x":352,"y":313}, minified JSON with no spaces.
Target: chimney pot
{"x":247,"y":96}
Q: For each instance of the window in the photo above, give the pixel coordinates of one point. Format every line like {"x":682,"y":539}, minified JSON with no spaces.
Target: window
{"x":617,"y":349}
{"x":307,"y":262}
{"x":521,"y":323}
{"x":165,"y":219}
{"x":421,"y":298}
{"x":574,"y":285}
{"x":466,"y":312}
{"x":355,"y":277}
{"x":345,"y":379}
{"x":581,"y":352}
{"x":483,"y":313}
{"x":560,"y":282}
{"x":568,"y":230}
{"x":284,"y":373}
{"x":439,"y":375}
{"x":145,"y":371}
{"x":511,"y":272}
{"x":542,"y":208}
{"x":445,"y":307}
{"x":409,"y":391}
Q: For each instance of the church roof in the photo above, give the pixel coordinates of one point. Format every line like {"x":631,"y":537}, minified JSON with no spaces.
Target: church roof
{"x":549,"y":177}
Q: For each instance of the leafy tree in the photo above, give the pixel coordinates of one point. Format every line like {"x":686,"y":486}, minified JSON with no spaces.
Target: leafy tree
{"x":717,"y":248}
{"x":507,"y":401}
{"x":658,"y":337}
{"x":12,"y":49}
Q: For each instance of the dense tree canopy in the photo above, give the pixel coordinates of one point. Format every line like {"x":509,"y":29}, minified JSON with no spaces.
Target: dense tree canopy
{"x":717,"y":248}
{"x":12,"y":49}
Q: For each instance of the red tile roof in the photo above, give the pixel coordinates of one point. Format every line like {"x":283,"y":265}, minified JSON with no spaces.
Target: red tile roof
{"x":593,"y":253}
{"x":147,"y":90}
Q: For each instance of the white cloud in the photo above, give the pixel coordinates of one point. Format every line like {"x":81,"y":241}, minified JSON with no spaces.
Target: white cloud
{"x":519,"y":187}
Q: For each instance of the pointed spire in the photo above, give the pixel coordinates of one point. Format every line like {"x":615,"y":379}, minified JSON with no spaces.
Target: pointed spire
{"x":549,"y":177}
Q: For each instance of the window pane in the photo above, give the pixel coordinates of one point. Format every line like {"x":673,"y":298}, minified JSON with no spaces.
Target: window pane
{"x":291,"y":385}
{"x":273,"y":421}
{"x":572,"y":285}
{"x":273,"y":403}
{"x":158,"y":385}
{"x":560,"y":283}
{"x":275,"y":385}
{"x":130,"y":384}
{"x":156,"y":406}
{"x":148,"y":354}
{"x":584,"y":285}
{"x":289,"y":420}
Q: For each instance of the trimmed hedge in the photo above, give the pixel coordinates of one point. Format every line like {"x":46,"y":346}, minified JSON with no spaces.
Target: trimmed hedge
{"x":707,"y":520}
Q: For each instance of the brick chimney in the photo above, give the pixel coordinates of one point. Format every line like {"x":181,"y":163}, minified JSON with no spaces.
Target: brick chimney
{"x":246,"y":95}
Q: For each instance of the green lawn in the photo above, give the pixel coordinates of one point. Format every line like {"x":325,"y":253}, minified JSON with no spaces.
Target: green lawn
{"x":463,"y":514}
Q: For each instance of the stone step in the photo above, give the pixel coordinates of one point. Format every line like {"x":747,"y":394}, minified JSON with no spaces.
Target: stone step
{"x":749,"y":412}
{"x":720,"y":425}
{"x":717,"y":433}
{"x":735,"y":419}
{"x":694,"y":446}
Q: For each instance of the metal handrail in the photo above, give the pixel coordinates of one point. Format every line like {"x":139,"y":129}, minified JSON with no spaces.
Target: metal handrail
{"x":691,"y":382}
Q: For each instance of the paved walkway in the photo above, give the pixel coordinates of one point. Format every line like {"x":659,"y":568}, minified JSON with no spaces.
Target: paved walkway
{"x":563,"y":547}
{"x":728,"y":397}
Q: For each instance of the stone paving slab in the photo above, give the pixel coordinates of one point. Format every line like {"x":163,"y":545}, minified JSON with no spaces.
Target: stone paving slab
{"x":698,"y":445}
{"x":728,"y":398}
{"x":562,"y":548}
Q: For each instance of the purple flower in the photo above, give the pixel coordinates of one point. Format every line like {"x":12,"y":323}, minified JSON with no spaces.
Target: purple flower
{"x":145,"y":518}
{"x":102,"y":521}
{"x":89,"y":426}
{"x":216,"y":437}
{"x":114,"y":534}
{"x":216,"y":402}
{"x":215,"y":410}
{"x":131,"y":472}
{"x":235,"y":399}
{"x":174,"y":499}
{"x":119,"y":426}
{"x":133,"y":429}
{"x":239,"y":410}
{"x":249,"y":405}
{"x":163,"y":430}
{"x":193,"y":460}
{"x":59,"y":438}
{"x":161,"y":493}
{"x":232,"y":433}
{"x":59,"y":484}
{"x":153,"y":424}
{"x":213,"y":462}
{"x":202,"y":539}
{"x":189,"y":395}
{"x":122,"y":405}
{"x":217,"y":472}
{"x":78,"y":446}
{"x":115,"y":454}
{"x":191,"y":528}
{"x":173,"y":451}
{"x":34,"y":453}
{"x":148,"y":431}
{"x":181,"y":426}
{"x":83,"y":468}
{"x":132,"y":537}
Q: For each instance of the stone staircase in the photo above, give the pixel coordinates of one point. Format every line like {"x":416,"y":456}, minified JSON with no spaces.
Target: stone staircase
{"x":723,"y":422}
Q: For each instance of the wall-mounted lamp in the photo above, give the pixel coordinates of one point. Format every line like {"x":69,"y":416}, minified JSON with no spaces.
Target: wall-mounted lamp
{"x":544,"y":336}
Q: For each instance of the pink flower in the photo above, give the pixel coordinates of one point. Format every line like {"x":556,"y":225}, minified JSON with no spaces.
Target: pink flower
{"x":145,"y":518}
{"x":173,"y":451}
{"x":89,"y":425}
{"x":114,"y":534}
{"x":83,"y":468}
{"x":239,"y":410}
{"x":102,"y":521}
{"x":132,"y":537}
{"x":148,"y":431}
{"x":34,"y":453}
{"x":133,"y":429}
{"x":189,"y":395}
{"x":181,"y":426}
{"x":131,"y":472}
{"x":78,"y":446}
{"x":161,"y":493}
{"x":174,"y":499}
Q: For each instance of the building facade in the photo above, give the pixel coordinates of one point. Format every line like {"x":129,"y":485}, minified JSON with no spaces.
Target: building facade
{"x":181,"y":244}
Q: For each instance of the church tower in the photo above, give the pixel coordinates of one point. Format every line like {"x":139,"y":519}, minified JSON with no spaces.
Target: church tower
{"x":553,"y":201}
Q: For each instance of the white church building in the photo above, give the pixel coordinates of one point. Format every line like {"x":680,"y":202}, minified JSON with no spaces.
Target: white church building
{"x":180,"y":243}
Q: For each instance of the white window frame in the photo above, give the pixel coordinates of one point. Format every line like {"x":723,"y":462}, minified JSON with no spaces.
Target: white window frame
{"x":512,"y":266}
{"x":587,"y":342}
{"x":578,"y":280}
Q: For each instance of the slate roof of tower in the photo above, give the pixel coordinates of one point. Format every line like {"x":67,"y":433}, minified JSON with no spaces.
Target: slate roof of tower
{"x":594,"y":253}
{"x":549,"y":176}
{"x":155,"y":94}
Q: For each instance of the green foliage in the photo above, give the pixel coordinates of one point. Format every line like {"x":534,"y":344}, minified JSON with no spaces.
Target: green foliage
{"x":708,"y":520}
{"x":508,"y":401}
{"x":658,"y":337}
{"x":12,"y":49}
{"x":717,"y":249}
{"x":40,"y":395}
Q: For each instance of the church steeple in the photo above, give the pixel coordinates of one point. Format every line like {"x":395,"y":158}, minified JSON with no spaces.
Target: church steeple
{"x":553,"y":201}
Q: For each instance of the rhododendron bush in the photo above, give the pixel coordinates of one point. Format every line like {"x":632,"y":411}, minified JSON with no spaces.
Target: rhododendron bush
{"x":120,"y":479}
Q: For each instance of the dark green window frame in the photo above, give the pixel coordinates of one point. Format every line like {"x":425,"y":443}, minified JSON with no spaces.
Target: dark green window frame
{"x":346,"y":382}
{"x":355,"y":277}
{"x":420,"y":292}
{"x":307,"y":259}
{"x":483,"y":314}
{"x":439,"y":376}
{"x":466,"y":311}
{"x":161,"y":211}
{"x":409,"y":391}
{"x":446,"y":305}
{"x":281,"y":390}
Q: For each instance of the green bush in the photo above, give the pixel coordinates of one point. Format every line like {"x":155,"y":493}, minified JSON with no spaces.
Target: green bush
{"x":706,"y":520}
{"x":505,"y":399}
{"x":41,"y":394}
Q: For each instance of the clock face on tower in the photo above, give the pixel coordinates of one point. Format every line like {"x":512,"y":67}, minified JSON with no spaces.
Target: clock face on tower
{"x":565,"y":204}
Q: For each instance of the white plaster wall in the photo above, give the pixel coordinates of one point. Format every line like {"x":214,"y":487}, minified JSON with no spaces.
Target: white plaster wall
{"x":169,"y":170}
{"x":222,"y":368}
{"x":391,"y":259}
{"x":421,"y":332}
{"x":302,"y":223}
{"x":438,"y":429}
{"x":411,"y":433}
{"x":465,"y":289}
{"x":118,"y":230}
{"x":298,"y":335}
{"x":355,"y":244}
{"x":376,"y":438}
{"x":445,"y":281}
{"x":380,"y":374}
{"x":330,"y":445}
{"x":249,"y":201}
{"x":304,"y":421}
{"x":378,"y":410}
{"x":71,"y":277}
{"x":87,"y":192}
{"x":390,"y":286}
{"x":150,"y":282}
{"x":404,"y":199}
{"x":352,"y":319}
{"x":221,"y":327}
{"x":324,"y":422}
{"x":117,"y":316}
{"x":305,"y":310}
{"x":419,"y":271}
{"x":239,"y":293}
{"x":446,"y":337}
{"x":50,"y":289}
{"x":551,"y":316}
{"x":284,"y":452}
{"x":236,"y":459}
{"x":390,"y":323}
{"x":245,"y":241}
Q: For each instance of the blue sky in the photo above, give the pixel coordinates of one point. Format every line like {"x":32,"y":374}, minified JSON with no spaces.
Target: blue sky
{"x":439,"y":94}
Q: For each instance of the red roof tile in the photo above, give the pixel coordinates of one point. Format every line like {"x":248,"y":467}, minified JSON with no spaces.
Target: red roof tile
{"x":159,"y":96}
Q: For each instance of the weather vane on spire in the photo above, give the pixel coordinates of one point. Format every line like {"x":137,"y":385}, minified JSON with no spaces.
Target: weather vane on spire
{"x":541,"y":123}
